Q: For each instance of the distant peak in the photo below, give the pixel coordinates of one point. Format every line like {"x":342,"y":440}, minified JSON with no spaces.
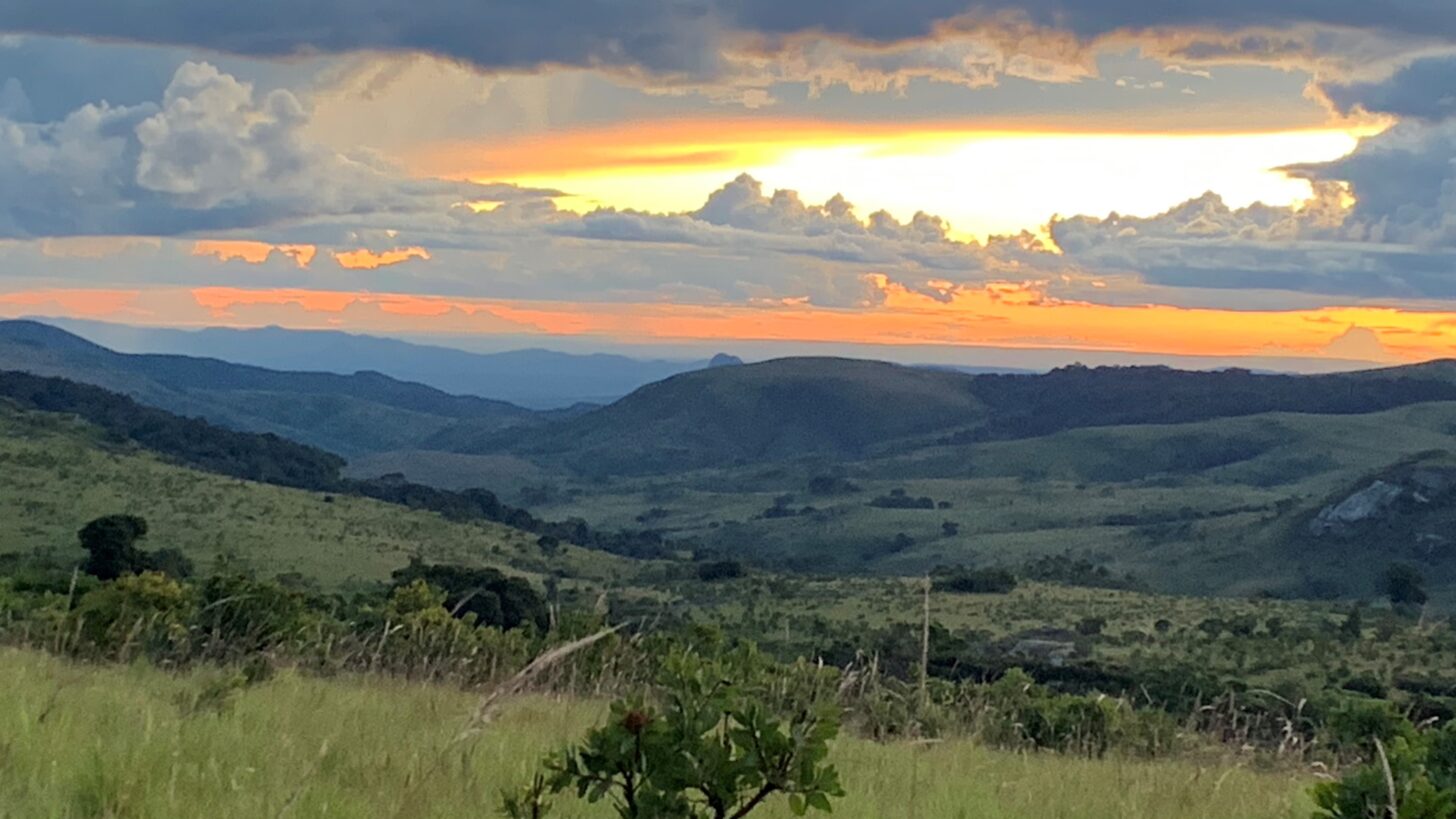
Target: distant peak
{"x":724,"y":360}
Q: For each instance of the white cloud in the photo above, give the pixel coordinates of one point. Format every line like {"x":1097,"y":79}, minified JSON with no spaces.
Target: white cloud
{"x":212,"y":155}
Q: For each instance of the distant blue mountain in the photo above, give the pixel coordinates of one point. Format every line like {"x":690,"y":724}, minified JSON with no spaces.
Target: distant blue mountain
{"x":539,"y":379}
{"x":351,"y":414}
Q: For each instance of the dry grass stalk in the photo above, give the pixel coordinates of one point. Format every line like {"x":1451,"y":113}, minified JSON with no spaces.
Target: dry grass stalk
{"x":490,"y":704}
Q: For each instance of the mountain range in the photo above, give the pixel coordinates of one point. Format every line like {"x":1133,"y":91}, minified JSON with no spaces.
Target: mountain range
{"x":533,"y":378}
{"x":719,"y":413}
{"x":346,"y":414}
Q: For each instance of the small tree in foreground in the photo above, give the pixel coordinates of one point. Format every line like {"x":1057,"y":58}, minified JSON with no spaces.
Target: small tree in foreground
{"x":706,"y":747}
{"x":1412,"y":777}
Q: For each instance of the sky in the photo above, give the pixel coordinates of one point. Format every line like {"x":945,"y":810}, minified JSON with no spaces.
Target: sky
{"x":927,"y":179}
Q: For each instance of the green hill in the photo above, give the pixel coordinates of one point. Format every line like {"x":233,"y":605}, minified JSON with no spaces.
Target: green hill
{"x":850,"y":409}
{"x":767,"y":411}
{"x":60,"y":472}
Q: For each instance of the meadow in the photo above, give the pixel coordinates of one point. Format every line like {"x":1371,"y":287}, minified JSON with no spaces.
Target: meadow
{"x":133,"y":741}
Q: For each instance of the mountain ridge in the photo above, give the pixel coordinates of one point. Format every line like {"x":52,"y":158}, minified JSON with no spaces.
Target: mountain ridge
{"x":347,"y":414}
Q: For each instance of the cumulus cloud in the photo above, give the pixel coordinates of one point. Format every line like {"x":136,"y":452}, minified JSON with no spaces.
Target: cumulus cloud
{"x":1404,"y":184}
{"x":211,"y":155}
{"x":742,"y":204}
{"x":1381,"y":224}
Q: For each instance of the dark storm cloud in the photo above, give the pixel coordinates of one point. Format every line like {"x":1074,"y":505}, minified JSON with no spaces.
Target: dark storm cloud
{"x":1425,"y":89}
{"x":661,"y":36}
{"x":1404,"y":183}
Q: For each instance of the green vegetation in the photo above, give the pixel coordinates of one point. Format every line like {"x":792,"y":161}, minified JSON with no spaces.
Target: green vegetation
{"x":718,"y":741}
{"x":88,"y":740}
{"x":1111,"y":498}
{"x":844,"y":408}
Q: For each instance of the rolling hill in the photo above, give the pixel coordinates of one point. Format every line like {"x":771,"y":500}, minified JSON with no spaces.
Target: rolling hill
{"x":347,"y":414}
{"x":846,"y":408}
{"x":782,"y":408}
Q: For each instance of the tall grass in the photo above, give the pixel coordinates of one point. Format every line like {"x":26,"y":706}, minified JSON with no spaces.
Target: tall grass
{"x":110,"y":741}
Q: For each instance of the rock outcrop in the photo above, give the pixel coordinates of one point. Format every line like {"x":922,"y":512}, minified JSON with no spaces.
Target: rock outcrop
{"x":1408,"y":488}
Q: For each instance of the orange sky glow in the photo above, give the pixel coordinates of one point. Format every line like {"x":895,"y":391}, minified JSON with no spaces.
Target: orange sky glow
{"x":1007,"y":314}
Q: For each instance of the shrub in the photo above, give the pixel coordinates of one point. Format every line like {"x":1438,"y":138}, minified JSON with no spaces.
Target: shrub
{"x":720,"y":570}
{"x":242,"y":615}
{"x":897,"y":499}
{"x":137,"y":609}
{"x":1413,"y":777}
{"x":973,"y":581}
{"x":494,"y":599}
{"x":707,"y":745}
{"x":1357,"y":723}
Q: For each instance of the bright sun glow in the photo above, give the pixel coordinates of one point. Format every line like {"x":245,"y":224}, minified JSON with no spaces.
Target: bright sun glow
{"x":982,"y":182}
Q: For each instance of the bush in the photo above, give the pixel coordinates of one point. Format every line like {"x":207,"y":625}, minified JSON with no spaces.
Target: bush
{"x":720,"y":570}
{"x":707,"y":745}
{"x":1413,"y":777}
{"x":135,"y":610}
{"x":973,"y":581}
{"x":110,"y":544}
{"x":898,"y":499}
{"x":240,"y":615}
{"x":494,"y":599}
{"x":1355,"y":724}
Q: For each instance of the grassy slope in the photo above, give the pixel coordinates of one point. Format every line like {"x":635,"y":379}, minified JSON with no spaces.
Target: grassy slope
{"x":503,"y":474}
{"x":58,"y":476}
{"x":113,"y":741}
{"x":755,"y":412}
{"x":1227,"y":478}
{"x":788,"y":614}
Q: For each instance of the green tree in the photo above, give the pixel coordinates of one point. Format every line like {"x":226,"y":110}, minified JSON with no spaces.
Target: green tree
{"x":1404,"y":585}
{"x":494,"y":599}
{"x":110,"y":543}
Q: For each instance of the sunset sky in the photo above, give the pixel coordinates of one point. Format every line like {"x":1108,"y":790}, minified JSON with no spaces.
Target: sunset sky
{"x":1238,"y":181}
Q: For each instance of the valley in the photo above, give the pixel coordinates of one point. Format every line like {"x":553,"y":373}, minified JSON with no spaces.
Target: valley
{"x":1222,"y":590}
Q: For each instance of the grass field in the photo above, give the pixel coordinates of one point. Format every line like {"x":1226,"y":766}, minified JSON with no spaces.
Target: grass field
{"x":82,"y":741}
{"x":58,"y":475}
